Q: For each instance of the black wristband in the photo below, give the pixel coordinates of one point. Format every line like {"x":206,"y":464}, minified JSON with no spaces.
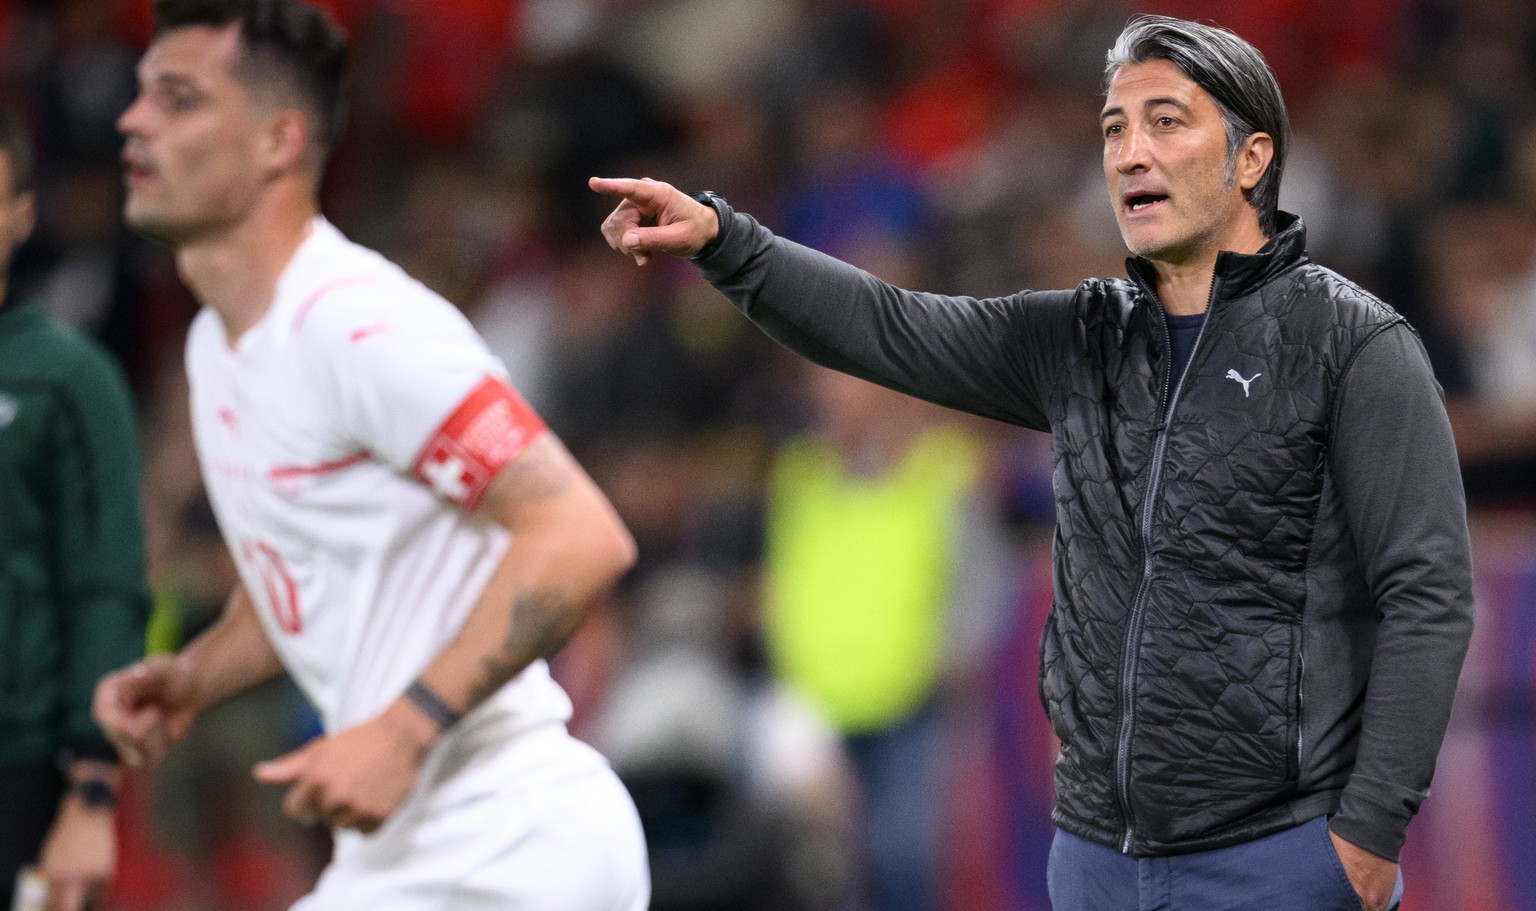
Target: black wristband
{"x":431,"y":705}
{"x":714,"y":201}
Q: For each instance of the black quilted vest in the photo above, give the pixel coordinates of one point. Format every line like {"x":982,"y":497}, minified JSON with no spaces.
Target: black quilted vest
{"x":1171,"y":659}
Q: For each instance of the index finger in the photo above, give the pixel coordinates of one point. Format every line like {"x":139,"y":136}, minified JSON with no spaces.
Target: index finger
{"x":642,"y":190}
{"x":284,"y":769}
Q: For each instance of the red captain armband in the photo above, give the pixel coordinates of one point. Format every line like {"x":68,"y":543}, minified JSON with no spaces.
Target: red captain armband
{"x":490,"y":428}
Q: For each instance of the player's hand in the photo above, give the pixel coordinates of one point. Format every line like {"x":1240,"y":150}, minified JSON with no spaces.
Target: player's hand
{"x":356,"y":778}
{"x":145,"y":708}
{"x":78,"y":856}
{"x":1374,"y":878}
{"x":654,"y":217}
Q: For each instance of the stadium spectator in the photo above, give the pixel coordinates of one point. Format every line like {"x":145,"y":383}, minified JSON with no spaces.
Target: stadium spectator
{"x":875,"y":596}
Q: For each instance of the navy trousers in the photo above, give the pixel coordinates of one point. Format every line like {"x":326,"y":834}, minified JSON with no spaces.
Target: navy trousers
{"x":1294,"y":870}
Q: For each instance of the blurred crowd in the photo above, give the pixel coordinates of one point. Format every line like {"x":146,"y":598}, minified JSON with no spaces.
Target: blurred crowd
{"x":948,"y":145}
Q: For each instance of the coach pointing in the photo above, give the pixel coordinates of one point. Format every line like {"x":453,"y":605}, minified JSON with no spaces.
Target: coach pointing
{"x":1262,"y":578}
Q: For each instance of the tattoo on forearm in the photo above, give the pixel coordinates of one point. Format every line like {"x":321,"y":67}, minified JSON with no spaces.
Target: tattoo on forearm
{"x":541,"y":622}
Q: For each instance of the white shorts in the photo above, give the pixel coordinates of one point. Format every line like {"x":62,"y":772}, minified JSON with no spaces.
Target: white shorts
{"x":562,"y":835}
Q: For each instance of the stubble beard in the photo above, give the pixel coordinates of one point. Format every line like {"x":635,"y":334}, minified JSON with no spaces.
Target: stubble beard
{"x":160,"y":226}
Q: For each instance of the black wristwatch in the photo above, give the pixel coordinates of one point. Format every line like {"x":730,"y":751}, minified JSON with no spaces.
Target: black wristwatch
{"x":94,"y":793}
{"x":716,"y":202}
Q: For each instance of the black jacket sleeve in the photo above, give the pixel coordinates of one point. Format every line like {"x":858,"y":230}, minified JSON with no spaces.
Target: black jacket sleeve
{"x":998,"y":358}
{"x":1395,"y":464}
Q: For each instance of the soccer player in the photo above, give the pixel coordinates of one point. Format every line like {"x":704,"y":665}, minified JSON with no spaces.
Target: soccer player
{"x":412,"y":541}
{"x":1262,"y":568}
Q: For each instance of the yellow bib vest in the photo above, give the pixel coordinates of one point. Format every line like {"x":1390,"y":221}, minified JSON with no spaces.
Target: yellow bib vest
{"x":859,"y":572}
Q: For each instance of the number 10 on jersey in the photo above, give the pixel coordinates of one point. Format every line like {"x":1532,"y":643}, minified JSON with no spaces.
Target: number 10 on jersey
{"x":281,"y":594}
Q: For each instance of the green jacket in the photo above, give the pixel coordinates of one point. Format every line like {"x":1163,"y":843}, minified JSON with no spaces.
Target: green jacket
{"x":73,"y":601}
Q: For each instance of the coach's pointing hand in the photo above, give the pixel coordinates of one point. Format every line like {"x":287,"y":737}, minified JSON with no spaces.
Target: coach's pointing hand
{"x":654,"y":217}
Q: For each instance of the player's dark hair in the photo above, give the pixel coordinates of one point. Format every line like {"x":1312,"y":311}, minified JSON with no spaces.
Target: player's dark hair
{"x":1234,"y":73}
{"x":16,"y":146}
{"x":293,"y":44}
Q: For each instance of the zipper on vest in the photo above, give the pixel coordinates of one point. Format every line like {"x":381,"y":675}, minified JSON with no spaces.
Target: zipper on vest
{"x":1301,"y":696}
{"x":1129,"y":653}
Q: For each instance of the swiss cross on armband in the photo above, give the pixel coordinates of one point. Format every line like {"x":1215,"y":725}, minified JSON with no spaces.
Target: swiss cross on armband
{"x":490,"y":428}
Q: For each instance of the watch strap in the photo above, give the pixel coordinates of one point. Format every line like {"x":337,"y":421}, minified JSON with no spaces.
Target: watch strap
{"x":94,"y":793}
{"x":716,"y":202}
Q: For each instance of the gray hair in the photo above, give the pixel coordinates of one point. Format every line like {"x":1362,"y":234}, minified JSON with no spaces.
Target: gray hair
{"x":1234,"y":74}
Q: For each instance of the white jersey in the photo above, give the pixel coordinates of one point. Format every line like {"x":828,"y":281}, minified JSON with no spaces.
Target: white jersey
{"x":343,"y":440}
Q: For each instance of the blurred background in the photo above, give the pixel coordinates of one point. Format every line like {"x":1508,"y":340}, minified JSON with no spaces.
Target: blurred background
{"x":793,"y":726}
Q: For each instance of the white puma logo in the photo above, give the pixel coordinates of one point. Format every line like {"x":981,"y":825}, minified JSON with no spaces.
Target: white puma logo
{"x":1234,"y":375}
